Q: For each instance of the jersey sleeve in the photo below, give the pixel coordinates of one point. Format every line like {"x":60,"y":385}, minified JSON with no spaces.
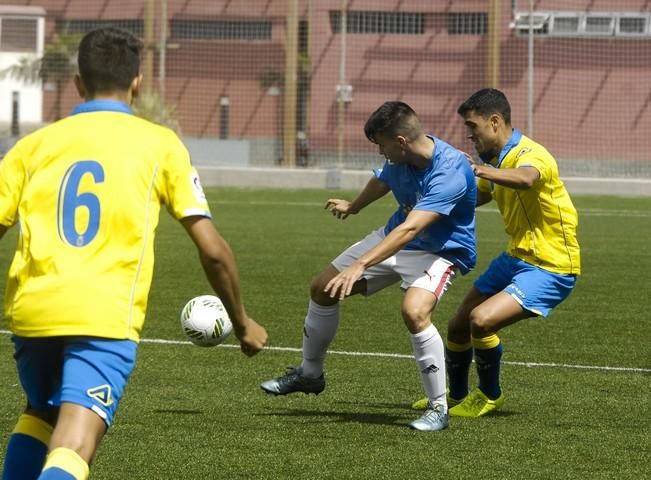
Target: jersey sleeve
{"x":532,"y":158}
{"x":442,"y":194}
{"x":182,"y":191}
{"x":12,"y":180}
{"x":484,"y":185}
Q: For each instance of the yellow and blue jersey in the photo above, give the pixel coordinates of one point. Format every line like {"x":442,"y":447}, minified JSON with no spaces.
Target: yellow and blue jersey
{"x":541,"y":221}
{"x":86,"y":193}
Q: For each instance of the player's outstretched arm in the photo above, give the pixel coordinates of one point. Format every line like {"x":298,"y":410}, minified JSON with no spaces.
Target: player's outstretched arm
{"x":373,"y":190}
{"x":218,"y":262}
{"x":520,"y":178}
{"x":482,"y":197}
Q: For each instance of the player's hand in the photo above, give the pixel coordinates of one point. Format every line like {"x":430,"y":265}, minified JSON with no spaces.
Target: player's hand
{"x":469,"y":158}
{"x":340,"y":208}
{"x":252,"y":336}
{"x":476,"y":166}
{"x":478,"y":169}
{"x":342,"y":284}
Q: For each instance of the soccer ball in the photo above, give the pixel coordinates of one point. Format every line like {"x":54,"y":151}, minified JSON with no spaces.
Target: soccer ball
{"x":205,"y":321}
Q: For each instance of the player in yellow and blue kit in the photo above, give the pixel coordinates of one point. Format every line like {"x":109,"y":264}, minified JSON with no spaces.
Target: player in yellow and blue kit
{"x":537,"y":271}
{"x":86,"y":193}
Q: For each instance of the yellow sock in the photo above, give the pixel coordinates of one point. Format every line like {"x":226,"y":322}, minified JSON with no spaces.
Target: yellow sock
{"x":34,"y":427}
{"x":486,"y":343}
{"x":459,"y":347}
{"x":68,"y":461}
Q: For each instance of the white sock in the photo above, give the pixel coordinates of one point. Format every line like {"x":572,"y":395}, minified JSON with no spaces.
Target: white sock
{"x":430,"y":359}
{"x":318,"y":331}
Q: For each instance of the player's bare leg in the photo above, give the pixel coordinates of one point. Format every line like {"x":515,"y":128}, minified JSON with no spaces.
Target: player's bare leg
{"x":75,"y":439}
{"x":459,"y":324}
{"x":317,"y":293}
{"x":495,"y":313}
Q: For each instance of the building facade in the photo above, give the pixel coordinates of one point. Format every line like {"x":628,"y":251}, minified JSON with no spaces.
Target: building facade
{"x":221,"y":64}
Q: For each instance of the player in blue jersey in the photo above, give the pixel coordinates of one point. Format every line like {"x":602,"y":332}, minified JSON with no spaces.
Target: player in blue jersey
{"x":426,"y":242}
{"x":86,"y":193}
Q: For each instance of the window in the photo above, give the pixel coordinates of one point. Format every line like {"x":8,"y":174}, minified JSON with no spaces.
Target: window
{"x":136,"y":27}
{"x":584,"y":24}
{"x":632,"y":25}
{"x":467,"y":23}
{"x":565,"y":24}
{"x":220,"y":30}
{"x":599,"y":24}
{"x":379,"y":22}
{"x":18,"y":34}
{"x":539,"y":23}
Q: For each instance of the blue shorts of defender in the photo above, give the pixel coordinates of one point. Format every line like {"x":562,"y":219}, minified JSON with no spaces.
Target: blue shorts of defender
{"x":537,"y":290}
{"x":87,"y":371}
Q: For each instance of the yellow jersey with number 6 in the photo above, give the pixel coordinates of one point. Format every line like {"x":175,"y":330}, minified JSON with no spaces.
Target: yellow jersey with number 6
{"x":86,"y":193}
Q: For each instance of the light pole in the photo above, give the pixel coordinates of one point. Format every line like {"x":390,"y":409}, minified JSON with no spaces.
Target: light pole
{"x":148,"y":58}
{"x":162,"y":57}
{"x":341,"y":106}
{"x":530,"y":73}
{"x":291,"y":68}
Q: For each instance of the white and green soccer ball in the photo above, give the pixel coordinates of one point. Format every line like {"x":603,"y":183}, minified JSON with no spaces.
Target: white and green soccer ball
{"x":205,"y":321}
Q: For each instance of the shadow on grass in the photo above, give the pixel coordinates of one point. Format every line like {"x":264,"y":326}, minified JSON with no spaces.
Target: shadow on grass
{"x":340,"y":416}
{"x":178,"y":411}
{"x":407,"y":407}
{"x":380,"y":418}
{"x":382,"y":405}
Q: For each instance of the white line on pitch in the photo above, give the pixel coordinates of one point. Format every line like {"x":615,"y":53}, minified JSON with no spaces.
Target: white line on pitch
{"x":400,"y":355}
{"x":162,"y":341}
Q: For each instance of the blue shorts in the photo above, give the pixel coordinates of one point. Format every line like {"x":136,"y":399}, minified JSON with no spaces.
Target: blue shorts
{"x":87,"y":371}
{"x":537,"y":290}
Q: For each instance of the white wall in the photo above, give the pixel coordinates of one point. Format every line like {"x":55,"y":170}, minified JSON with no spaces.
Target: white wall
{"x":30,"y":95}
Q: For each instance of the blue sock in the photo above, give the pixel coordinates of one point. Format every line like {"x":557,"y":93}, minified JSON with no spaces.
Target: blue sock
{"x":488,"y":355}
{"x":458,"y":358}
{"x":26,"y":449}
{"x":24,"y":458}
{"x":56,"y":474}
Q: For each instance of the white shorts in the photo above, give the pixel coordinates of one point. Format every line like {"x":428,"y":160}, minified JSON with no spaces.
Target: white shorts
{"x":416,"y":268}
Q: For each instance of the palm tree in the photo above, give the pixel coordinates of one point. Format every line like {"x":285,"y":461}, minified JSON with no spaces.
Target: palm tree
{"x":57,"y":65}
{"x":150,"y":106}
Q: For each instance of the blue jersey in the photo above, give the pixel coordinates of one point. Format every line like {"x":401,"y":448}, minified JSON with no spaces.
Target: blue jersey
{"x":446,"y":187}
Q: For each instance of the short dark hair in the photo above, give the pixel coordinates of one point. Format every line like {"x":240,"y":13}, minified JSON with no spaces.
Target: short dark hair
{"x":108,"y":60}
{"x":391,"y":119}
{"x":487,"y":102}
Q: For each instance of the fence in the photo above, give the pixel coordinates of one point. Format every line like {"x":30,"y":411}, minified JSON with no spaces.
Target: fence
{"x":291,"y":82}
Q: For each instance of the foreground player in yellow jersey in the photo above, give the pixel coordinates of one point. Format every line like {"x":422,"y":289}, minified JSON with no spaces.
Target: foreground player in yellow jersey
{"x":540,"y":265}
{"x":86,"y":193}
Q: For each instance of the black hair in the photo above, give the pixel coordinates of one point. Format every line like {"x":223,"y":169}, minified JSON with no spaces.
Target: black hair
{"x":391,"y":119}
{"x":109,"y":60}
{"x":487,"y":102}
